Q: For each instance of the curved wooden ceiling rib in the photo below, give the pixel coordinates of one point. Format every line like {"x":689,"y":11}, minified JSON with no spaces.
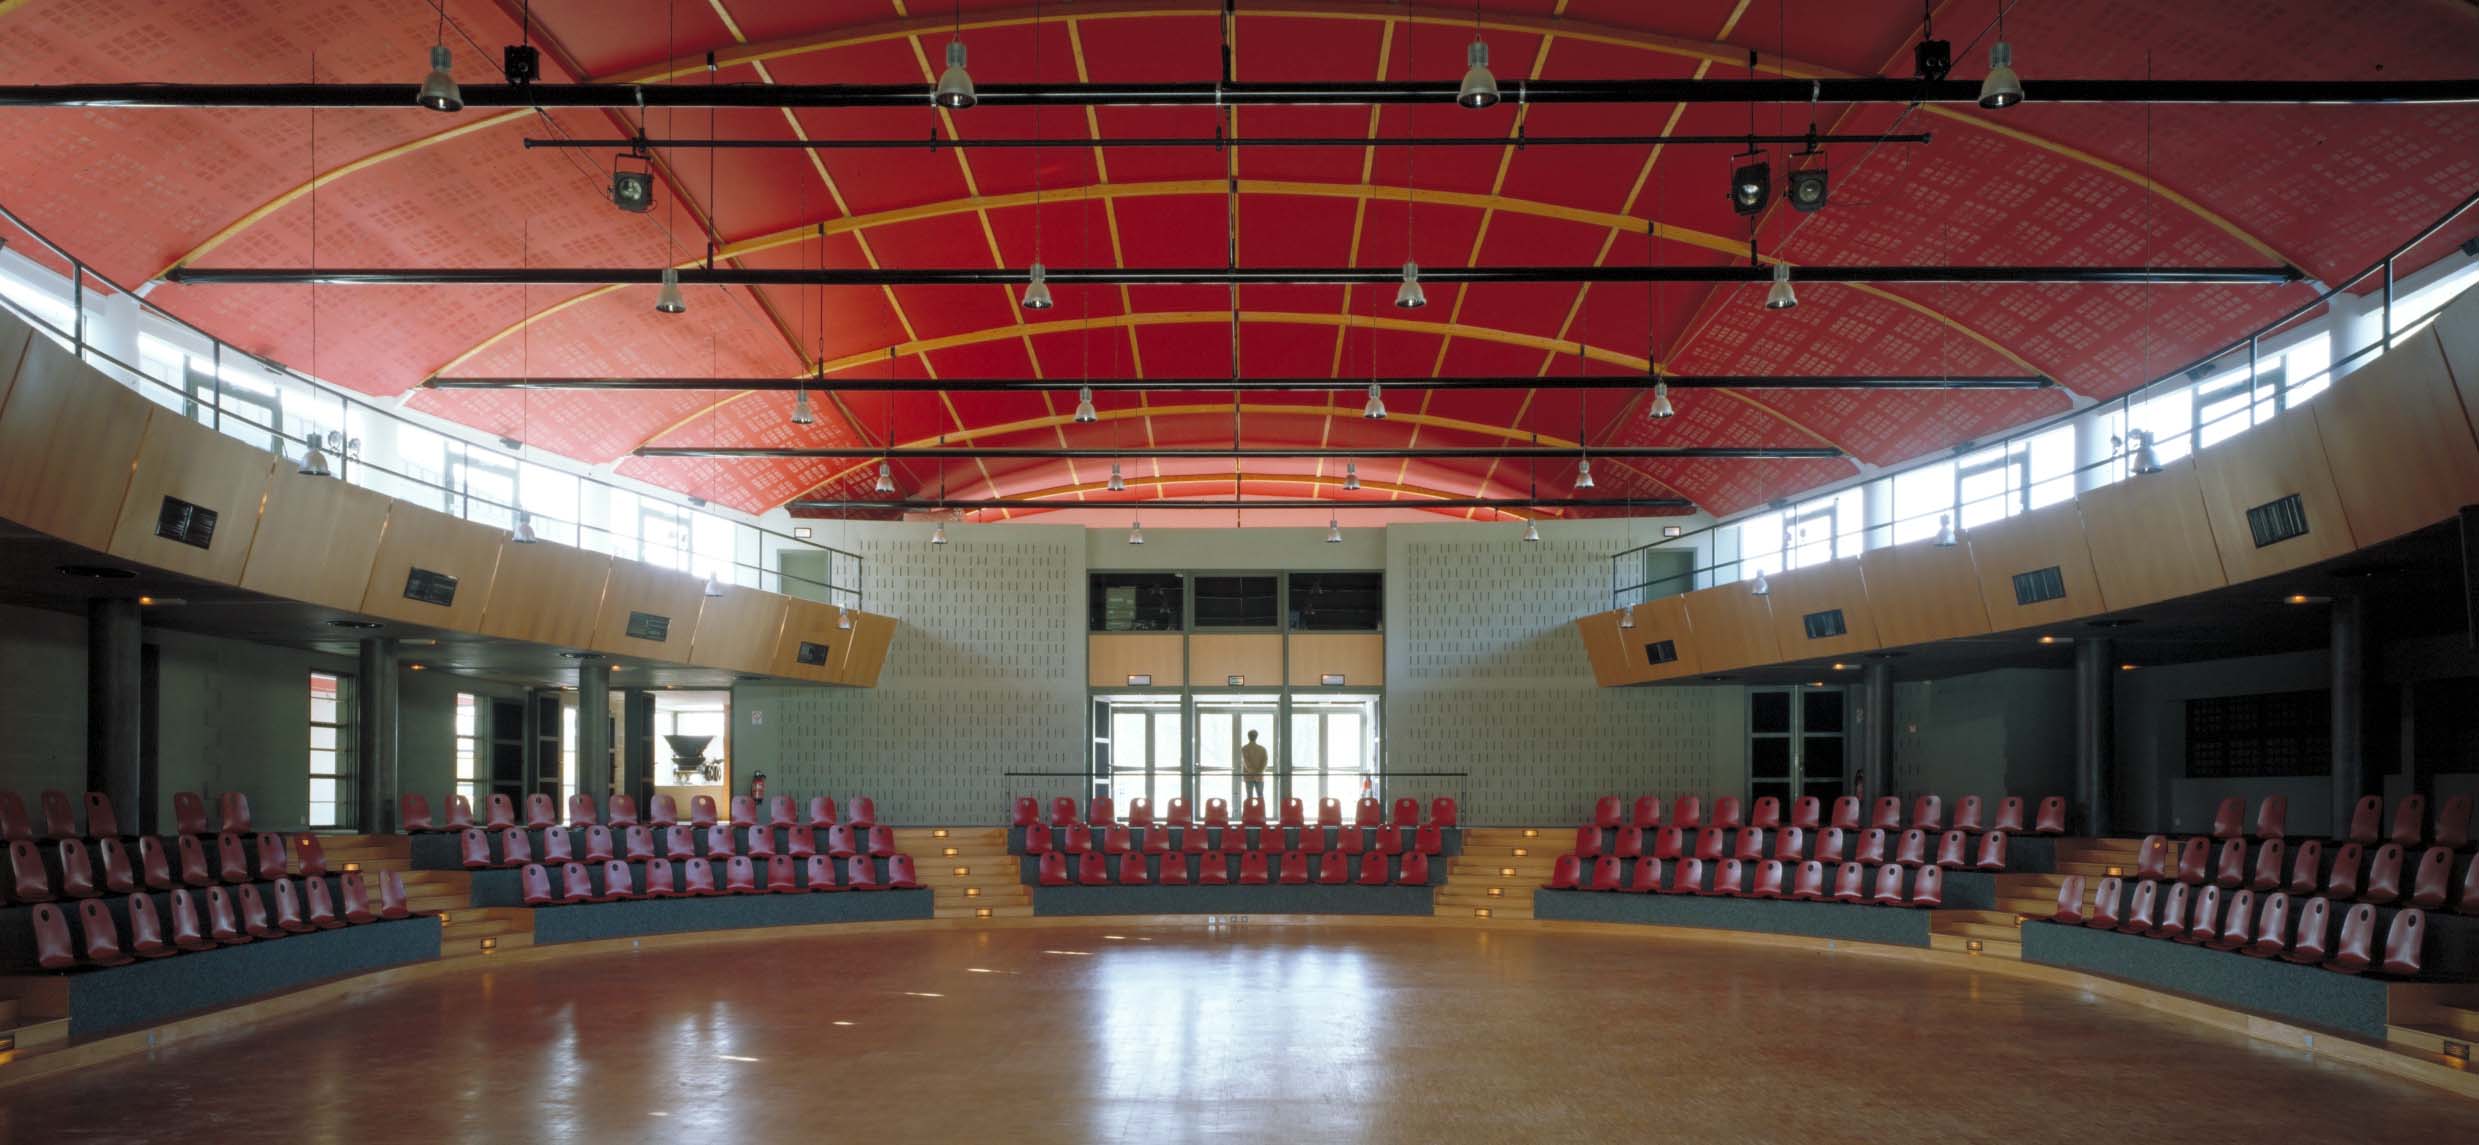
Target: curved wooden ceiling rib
{"x":1318,"y":482}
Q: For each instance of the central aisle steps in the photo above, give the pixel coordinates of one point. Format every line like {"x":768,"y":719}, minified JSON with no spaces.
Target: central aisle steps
{"x":992,"y":880}
{"x":427,"y":892}
{"x":1498,"y":871}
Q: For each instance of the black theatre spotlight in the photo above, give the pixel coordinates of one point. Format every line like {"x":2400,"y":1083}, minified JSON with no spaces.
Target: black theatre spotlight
{"x":1807,"y":189}
{"x":1751,"y":186}
{"x":1933,"y":59}
{"x":520,"y":63}
{"x":632,"y":191}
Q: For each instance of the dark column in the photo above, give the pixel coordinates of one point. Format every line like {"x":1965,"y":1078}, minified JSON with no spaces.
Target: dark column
{"x":1876,"y":726}
{"x":376,"y":725}
{"x":594,"y":728}
{"x":114,"y":707}
{"x":2095,"y":730}
{"x":2348,"y":654}
{"x":637,"y":745}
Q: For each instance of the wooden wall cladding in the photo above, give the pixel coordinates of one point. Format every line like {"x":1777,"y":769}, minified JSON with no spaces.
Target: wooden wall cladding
{"x":547,"y":593}
{"x":1599,"y":632}
{"x":738,"y":630}
{"x":2151,"y":538}
{"x":416,"y":537}
{"x":179,"y":459}
{"x":317,"y":538}
{"x":1922,"y":592}
{"x":671,"y":602}
{"x":812,"y":645}
{"x":2274,"y":460}
{"x":2457,"y":331}
{"x":1733,"y":626}
{"x":1829,"y":587}
{"x":14,"y":336}
{"x":68,"y":439}
{"x":866,"y":653}
{"x":1256,"y":657}
{"x":2041,"y":539}
{"x":1112,"y":657}
{"x":1656,"y":621}
{"x":2398,"y":442}
{"x":1358,"y":657}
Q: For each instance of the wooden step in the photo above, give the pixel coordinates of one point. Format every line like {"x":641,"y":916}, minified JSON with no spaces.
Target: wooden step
{"x":972,"y":910}
{"x":2006,"y":934}
{"x":1989,"y":947}
{"x":2462,"y":1019}
{"x":1987,"y":917}
{"x":34,"y":1036}
{"x":454,"y":945}
{"x":8,"y":1012}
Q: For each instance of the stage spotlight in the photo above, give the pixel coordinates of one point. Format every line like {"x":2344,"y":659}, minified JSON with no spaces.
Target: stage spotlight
{"x":633,"y":191}
{"x":1933,"y":60}
{"x":521,"y":64}
{"x":1807,"y":189}
{"x":1751,"y":187}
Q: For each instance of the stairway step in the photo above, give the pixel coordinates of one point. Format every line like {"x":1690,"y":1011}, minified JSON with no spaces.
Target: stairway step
{"x":1989,"y":947}
{"x":469,"y":945}
{"x":2006,"y":934}
{"x":2463,"y":1019}
{"x":997,"y":910}
{"x":35,"y":1036}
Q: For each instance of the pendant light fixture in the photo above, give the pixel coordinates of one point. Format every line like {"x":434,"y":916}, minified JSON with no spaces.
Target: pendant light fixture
{"x":1334,"y":528}
{"x":1532,"y":531}
{"x":523,"y":534}
{"x":2147,"y":459}
{"x":1946,"y":537}
{"x":1351,"y":477}
{"x":1480,"y":89}
{"x":1409,"y":296}
{"x":886,"y":477}
{"x":1626,"y":616}
{"x":1085,"y":413}
{"x":1375,"y":410}
{"x":843,"y":618}
{"x":955,"y":85}
{"x":1583,"y":474}
{"x":1661,"y":409}
{"x":938,"y":534}
{"x":2002,"y":89}
{"x":714,"y":586}
{"x":1760,"y":587}
{"x":802,"y":414}
{"x":439,"y":91}
{"x":1117,"y":484}
{"x":668,"y":300}
{"x":1136,"y":529}
{"x":314,"y":462}
{"x":1780,"y":296}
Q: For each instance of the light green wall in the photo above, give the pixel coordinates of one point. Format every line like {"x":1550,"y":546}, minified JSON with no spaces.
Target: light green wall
{"x":42,"y":700}
{"x":1990,"y":734}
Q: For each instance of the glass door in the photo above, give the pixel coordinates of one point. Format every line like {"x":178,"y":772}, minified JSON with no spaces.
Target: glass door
{"x":1795,"y":743}
{"x":1226,"y":729}
{"x":1333,"y":749}
{"x":1145,"y":753}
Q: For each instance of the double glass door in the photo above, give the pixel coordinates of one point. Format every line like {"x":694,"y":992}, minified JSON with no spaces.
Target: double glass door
{"x":1795,"y":743}
{"x":1224,"y":730}
{"x":1161,"y":748}
{"x":1144,"y":752}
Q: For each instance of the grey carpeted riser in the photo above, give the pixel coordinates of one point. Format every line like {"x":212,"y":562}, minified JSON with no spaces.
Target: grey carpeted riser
{"x":2024,"y":854}
{"x":1028,"y":868}
{"x":157,"y":990}
{"x":583,"y":922}
{"x":17,"y":922}
{"x":1899,"y":926}
{"x":1271,"y":899}
{"x":1450,"y":839}
{"x":2307,"y":995}
{"x":505,"y":886}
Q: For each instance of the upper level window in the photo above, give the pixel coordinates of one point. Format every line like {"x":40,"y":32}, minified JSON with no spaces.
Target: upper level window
{"x":1338,"y":601}
{"x":1136,"y":602}
{"x":1238,"y":602}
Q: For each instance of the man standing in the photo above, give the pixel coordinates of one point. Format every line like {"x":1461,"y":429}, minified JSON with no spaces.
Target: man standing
{"x":1252,"y":766}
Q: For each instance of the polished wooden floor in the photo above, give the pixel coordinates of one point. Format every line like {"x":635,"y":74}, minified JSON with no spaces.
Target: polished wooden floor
{"x":1326,"y":1034}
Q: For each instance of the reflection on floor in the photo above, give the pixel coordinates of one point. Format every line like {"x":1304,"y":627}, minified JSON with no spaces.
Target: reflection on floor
{"x":1328,"y":1033}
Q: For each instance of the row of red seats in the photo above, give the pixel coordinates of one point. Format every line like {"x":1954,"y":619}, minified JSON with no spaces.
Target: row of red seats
{"x":1850,"y":880}
{"x":2367,"y":821}
{"x":1808,"y":814}
{"x":1428,"y":839}
{"x":59,"y":818}
{"x":637,"y":844}
{"x":695,"y":878}
{"x":72,"y":869}
{"x":1955,"y":849}
{"x":2429,"y":885}
{"x":1213,"y":869}
{"x":1102,"y":812}
{"x":232,"y":917}
{"x":2262,"y":931}
{"x":541,"y":814}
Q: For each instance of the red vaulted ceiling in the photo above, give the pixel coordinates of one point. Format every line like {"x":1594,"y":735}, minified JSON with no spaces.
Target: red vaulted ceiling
{"x":2328,"y":189}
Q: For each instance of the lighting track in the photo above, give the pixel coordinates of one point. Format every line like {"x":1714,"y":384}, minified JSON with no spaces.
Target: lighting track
{"x":1219,"y":453}
{"x":1636,"y":505}
{"x":841,"y":383}
{"x":1223,"y":276}
{"x":1518,"y":141}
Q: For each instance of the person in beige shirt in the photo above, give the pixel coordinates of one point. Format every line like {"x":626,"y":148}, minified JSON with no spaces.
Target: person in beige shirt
{"x":1252,"y":766}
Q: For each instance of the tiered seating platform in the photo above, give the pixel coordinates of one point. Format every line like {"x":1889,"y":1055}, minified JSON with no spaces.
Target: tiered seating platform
{"x":1089,"y":862}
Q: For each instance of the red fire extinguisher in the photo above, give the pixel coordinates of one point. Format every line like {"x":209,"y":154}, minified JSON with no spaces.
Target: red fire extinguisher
{"x":757,"y":787}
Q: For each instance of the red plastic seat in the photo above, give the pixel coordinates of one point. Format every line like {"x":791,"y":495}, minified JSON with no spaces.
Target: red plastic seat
{"x":1727,"y":812}
{"x":1179,"y":815}
{"x":188,"y":933}
{"x":2069,"y":901}
{"x":2206,"y":925}
{"x":702,"y":811}
{"x":1647,"y":877}
{"x":1748,"y":845}
{"x":1629,"y":843}
{"x":1053,"y":869}
{"x":288,"y":914}
{"x":744,"y":811}
{"x":2402,"y":944}
{"x":1028,"y":812}
{"x":1334,"y":867}
{"x":2172,"y":920}
{"x":1953,"y":849}
{"x":535,"y":884}
{"x":500,"y":813}
{"x":1887,"y":814}
{"x":253,"y":910}
{"x":1428,"y":840}
{"x":1587,"y":842}
{"x":2231,"y":870}
{"x":679,"y":842}
{"x":2009,"y":815}
{"x":1212,"y":869}
{"x":2051,"y":819}
{"x":2270,"y":855}
{"x":1711,"y":843}
{"x":1443,"y":813}
{"x":2107,"y":896}
{"x":1253,"y":871}
{"x":1928,"y":887}
{"x":1850,"y":883}
{"x":1808,"y":885}
{"x":194,"y":869}
{"x":2453,"y":823}
{"x":2229,"y":819}
{"x":839,"y":842}
{"x":1294,"y":868}
{"x":223,"y":922}
{"x":2194,"y":856}
{"x":1368,"y":813}
{"x":102,"y":943}
{"x":1911,"y":849}
{"x":618,"y":884}
{"x":880,"y":841}
{"x":271,"y":858}
{"x":1389,"y":841}
{"x":577,"y":883}
{"x":2315,"y":928}
{"x":781,"y":811}
{"x":1252,"y":813}
{"x":1992,"y":856}
{"x":1093,"y":869}
{"x":154,"y":866}
{"x":623,"y":814}
{"x":392,"y":896}
{"x":233,"y":814}
{"x":1648,"y":813}
{"x":1969,"y":814}
{"x":1235,"y":840}
{"x":1928,"y":813}
{"x":317,"y":906}
{"x":1174,"y":871}
{"x":2306,"y":868}
{"x":1729,"y":879}
{"x":459,"y":814}
{"x":1063,"y":811}
{"x":2142,"y":910}
{"x":821,"y":815}
{"x":2384,"y":876}
{"x":2366,"y":823}
{"x":1037,"y":839}
{"x":15,"y":827}
{"x":1807,"y":813}
{"x":1157,"y":841}
{"x":1766,"y":813}
{"x":597,"y":844}
{"x":1567,"y":873}
{"x":1889,"y":885}
{"x":1670,"y":843}
{"x":2409,"y":821}
{"x":1115,"y":841}
{"x":662,"y":881}
{"x":1768,"y":880}
{"x":780,"y":875}
{"x":1351,"y":841}
{"x":556,"y":848}
{"x":77,"y":870}
{"x":1217,"y":813}
{"x":663,"y":812}
{"x":413,"y":813}
{"x":232,"y":860}
{"x":2237,"y":921}
{"x":309,"y":856}
{"x":1605,"y":812}
{"x":1101,"y":811}
{"x":1192,"y":840}
{"x":636,"y":843}
{"x":721,"y":846}
{"x":818,"y":874}
{"x":1871,"y":847}
{"x":697,"y":878}
{"x":2429,"y":883}
{"x":2357,"y":949}
{"x":1406,"y":813}
{"x":581,"y":811}
{"x":1687,"y":811}
{"x":1131,"y":870}
{"x":1140,"y":813}
{"x":1832,"y":845}
{"x":1790,"y":844}
{"x":189,"y":814}
{"x":1415,"y":871}
{"x":2272,"y":819}
{"x":1846,"y":813}
{"x":2152,"y":857}
{"x":541,"y":814}
{"x":353,"y":901}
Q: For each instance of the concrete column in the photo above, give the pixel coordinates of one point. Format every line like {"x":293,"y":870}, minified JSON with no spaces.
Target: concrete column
{"x":594,"y":728}
{"x":2348,"y":657}
{"x":2095,"y":730}
{"x":637,"y":745}
{"x":376,"y":727}
{"x":114,"y":760}
{"x":1876,"y":500}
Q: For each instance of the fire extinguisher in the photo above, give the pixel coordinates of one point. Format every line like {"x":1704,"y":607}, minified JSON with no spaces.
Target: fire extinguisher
{"x":757,"y":787}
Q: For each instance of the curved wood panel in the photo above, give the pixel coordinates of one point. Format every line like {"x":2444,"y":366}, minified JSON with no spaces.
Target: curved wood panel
{"x":68,"y":440}
{"x":675,"y":599}
{"x":1112,"y":657}
{"x":866,"y":653}
{"x":14,"y":337}
{"x":1599,"y":632}
{"x":317,"y":538}
{"x":812,"y":626}
{"x":181,"y":460}
{"x":435,"y":542}
{"x":1255,"y":657}
{"x":2457,"y":331}
{"x":2280,"y":458}
{"x":737,"y":630}
{"x":2041,"y":539}
{"x":1922,"y":592}
{"x":547,"y":593}
{"x":2398,"y":442}
{"x":1834,"y":585}
{"x":1657,"y":620}
{"x":2150,"y":537}
{"x":1358,"y":657}
{"x":1733,"y":626}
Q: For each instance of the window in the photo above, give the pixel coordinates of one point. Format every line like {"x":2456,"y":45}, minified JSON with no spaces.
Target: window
{"x":1919,"y":497}
{"x":468,"y":747}
{"x":1338,"y":601}
{"x":1237,"y":602}
{"x":1136,"y":602}
{"x":331,"y":752}
{"x":2244,"y":737}
{"x":1991,"y":485}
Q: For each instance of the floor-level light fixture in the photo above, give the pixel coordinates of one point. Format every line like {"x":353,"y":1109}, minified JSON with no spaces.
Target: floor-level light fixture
{"x":1661,"y":409}
{"x":1780,"y":296}
{"x":523,"y":534}
{"x":1375,"y":410}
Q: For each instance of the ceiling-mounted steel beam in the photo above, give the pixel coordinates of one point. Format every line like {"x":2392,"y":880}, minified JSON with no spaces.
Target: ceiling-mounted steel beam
{"x":1224,"y":276}
{"x":1252,"y":453}
{"x":1639,"y":505}
{"x":848,"y":384}
{"x":1516,"y":92}
{"x":1518,"y":141}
